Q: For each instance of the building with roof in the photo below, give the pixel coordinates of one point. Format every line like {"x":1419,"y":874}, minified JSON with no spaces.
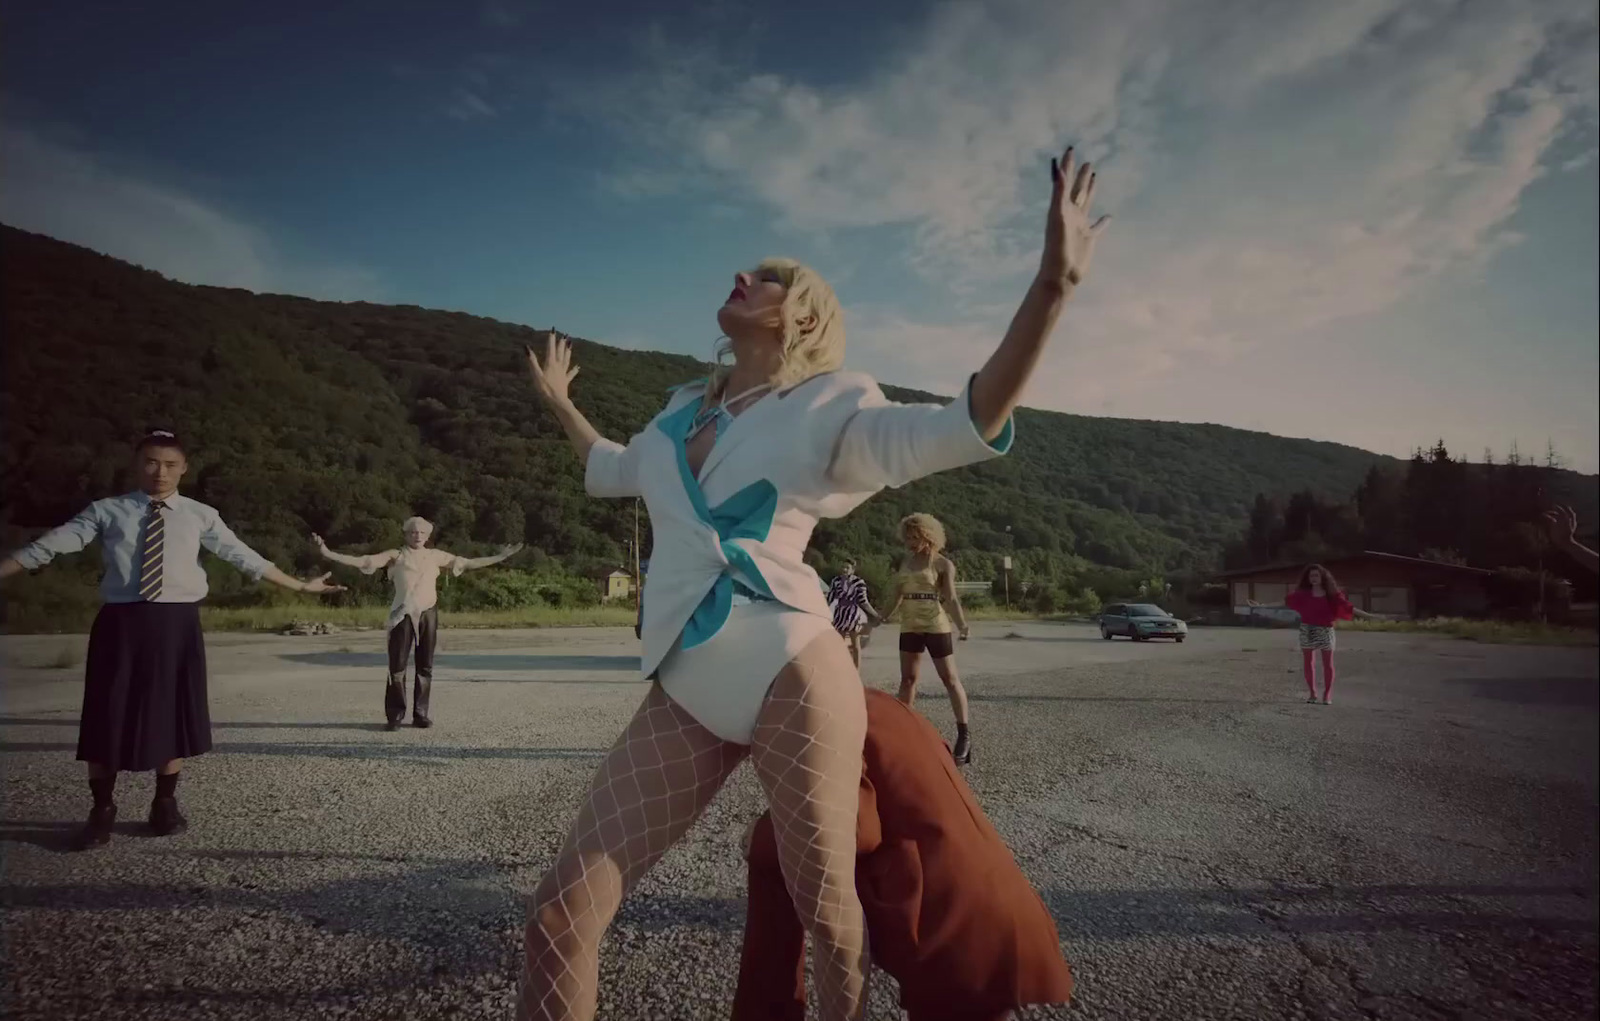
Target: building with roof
{"x":1384,"y":583}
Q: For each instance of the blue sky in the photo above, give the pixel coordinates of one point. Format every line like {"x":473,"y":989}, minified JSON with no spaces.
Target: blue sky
{"x":1373,"y":221}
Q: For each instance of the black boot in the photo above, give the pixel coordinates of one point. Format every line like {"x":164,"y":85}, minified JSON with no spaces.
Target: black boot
{"x":165,"y":819}
{"x":419,"y":701}
{"x":97,"y":831}
{"x":962,"y":752}
{"x":394,"y":700}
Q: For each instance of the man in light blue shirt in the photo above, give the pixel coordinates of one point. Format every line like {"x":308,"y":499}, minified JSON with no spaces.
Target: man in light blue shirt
{"x":144,"y":694}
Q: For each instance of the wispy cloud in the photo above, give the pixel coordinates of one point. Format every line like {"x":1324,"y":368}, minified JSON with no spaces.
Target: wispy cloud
{"x":466,"y":105}
{"x":484,"y":88}
{"x":504,"y":13}
{"x":1275,"y":167}
{"x":55,"y":188}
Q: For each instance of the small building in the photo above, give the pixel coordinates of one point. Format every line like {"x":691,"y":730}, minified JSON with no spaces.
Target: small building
{"x":1385,"y":583}
{"x":614,"y":583}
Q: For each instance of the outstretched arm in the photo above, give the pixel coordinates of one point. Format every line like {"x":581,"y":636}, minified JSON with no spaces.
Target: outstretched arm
{"x":293,"y":584}
{"x":220,"y":540}
{"x":1562,"y":524}
{"x":68,"y":538}
{"x":880,"y":443}
{"x":610,"y":469}
{"x":553,"y":381}
{"x":1069,"y":239}
{"x":472,"y":563}
{"x":367,"y":563}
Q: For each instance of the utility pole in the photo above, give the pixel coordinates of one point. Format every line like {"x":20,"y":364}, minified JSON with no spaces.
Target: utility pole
{"x":636,"y":580}
{"x":1542,"y":618}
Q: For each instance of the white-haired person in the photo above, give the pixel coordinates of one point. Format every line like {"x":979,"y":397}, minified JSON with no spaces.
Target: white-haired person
{"x":414,"y":613}
{"x":929,"y":610}
{"x":738,"y":641}
{"x":145,"y":705}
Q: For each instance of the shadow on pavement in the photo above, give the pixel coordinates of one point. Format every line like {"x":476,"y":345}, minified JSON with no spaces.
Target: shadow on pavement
{"x":1561,"y":691}
{"x":469,"y":897}
{"x":392,"y":751}
{"x":472,"y":661}
{"x":24,"y":721}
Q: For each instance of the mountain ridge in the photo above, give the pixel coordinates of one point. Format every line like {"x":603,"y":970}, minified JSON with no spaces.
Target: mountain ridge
{"x":345,"y":417}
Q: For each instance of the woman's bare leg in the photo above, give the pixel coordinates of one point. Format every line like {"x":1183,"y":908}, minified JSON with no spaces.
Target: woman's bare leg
{"x":649,"y":790}
{"x":807,"y":754}
{"x":910,"y":663}
{"x":855,"y":649}
{"x":946,"y":669}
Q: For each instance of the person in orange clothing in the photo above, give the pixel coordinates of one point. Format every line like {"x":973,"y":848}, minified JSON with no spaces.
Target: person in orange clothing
{"x":949,"y":914}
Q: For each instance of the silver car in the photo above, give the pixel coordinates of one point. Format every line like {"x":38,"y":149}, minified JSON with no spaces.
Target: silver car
{"x":1140,"y":621}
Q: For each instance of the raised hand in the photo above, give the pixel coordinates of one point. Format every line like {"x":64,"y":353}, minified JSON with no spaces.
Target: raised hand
{"x":554,"y":378}
{"x":318,"y":540}
{"x":320,"y":584}
{"x":510,"y":550}
{"x":1069,"y":237}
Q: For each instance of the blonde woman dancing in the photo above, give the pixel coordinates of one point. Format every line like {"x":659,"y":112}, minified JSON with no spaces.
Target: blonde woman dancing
{"x":736,"y":471}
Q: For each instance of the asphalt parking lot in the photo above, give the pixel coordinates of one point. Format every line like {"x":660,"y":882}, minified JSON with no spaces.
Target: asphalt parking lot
{"x":1210,"y":845}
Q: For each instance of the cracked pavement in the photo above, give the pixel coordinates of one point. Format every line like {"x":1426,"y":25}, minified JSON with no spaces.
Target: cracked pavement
{"x":1211,"y":846}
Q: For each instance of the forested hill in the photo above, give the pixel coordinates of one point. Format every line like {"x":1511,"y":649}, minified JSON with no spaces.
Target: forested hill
{"x":345,"y":418}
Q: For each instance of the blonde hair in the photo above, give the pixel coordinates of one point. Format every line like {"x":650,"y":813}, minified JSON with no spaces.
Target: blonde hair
{"x":924,"y":528}
{"x":812,"y":323}
{"x":427,"y":526}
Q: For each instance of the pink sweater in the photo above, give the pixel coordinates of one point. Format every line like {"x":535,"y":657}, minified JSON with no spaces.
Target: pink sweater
{"x":1318,"y":611}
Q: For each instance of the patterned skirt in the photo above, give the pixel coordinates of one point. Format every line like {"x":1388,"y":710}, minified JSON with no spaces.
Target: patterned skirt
{"x":1313,"y":637}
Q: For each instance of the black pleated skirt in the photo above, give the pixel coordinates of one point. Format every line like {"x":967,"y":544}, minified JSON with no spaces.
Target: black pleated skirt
{"x":144,"y":692}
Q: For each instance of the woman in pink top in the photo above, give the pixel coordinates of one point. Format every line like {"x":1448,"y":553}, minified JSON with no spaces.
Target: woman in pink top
{"x":1321,"y":604}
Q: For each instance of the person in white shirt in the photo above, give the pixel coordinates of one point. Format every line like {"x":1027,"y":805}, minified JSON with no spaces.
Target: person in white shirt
{"x":144,"y":691}
{"x":414,"y":615}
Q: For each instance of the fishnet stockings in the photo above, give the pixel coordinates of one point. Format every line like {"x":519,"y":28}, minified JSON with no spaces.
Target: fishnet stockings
{"x":650,"y":788}
{"x":653,"y":784}
{"x":807,"y":754}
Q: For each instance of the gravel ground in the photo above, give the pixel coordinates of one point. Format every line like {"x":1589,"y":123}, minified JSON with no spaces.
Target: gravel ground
{"x":1211,"y":846}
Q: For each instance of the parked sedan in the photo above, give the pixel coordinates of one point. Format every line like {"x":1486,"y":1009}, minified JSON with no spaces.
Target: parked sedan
{"x":1140,"y":621}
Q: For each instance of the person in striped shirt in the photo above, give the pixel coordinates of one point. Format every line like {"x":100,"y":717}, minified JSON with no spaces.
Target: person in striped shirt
{"x":144,"y":692}
{"x":847,"y":598}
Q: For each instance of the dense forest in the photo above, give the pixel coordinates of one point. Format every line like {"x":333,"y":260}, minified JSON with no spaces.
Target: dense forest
{"x":344,"y":418}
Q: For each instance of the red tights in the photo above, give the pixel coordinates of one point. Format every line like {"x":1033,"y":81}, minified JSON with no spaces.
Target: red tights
{"x":1311,"y":675}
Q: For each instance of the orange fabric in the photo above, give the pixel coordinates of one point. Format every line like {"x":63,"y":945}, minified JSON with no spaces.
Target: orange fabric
{"x":949,"y":914}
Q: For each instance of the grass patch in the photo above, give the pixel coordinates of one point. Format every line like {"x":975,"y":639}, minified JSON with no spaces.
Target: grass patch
{"x":1494,"y":632}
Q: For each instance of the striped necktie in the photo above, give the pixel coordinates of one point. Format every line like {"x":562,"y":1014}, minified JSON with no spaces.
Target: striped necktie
{"x":155,"y":531}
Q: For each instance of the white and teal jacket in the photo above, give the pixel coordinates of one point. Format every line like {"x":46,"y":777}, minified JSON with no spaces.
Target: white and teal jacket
{"x":816,"y":450}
